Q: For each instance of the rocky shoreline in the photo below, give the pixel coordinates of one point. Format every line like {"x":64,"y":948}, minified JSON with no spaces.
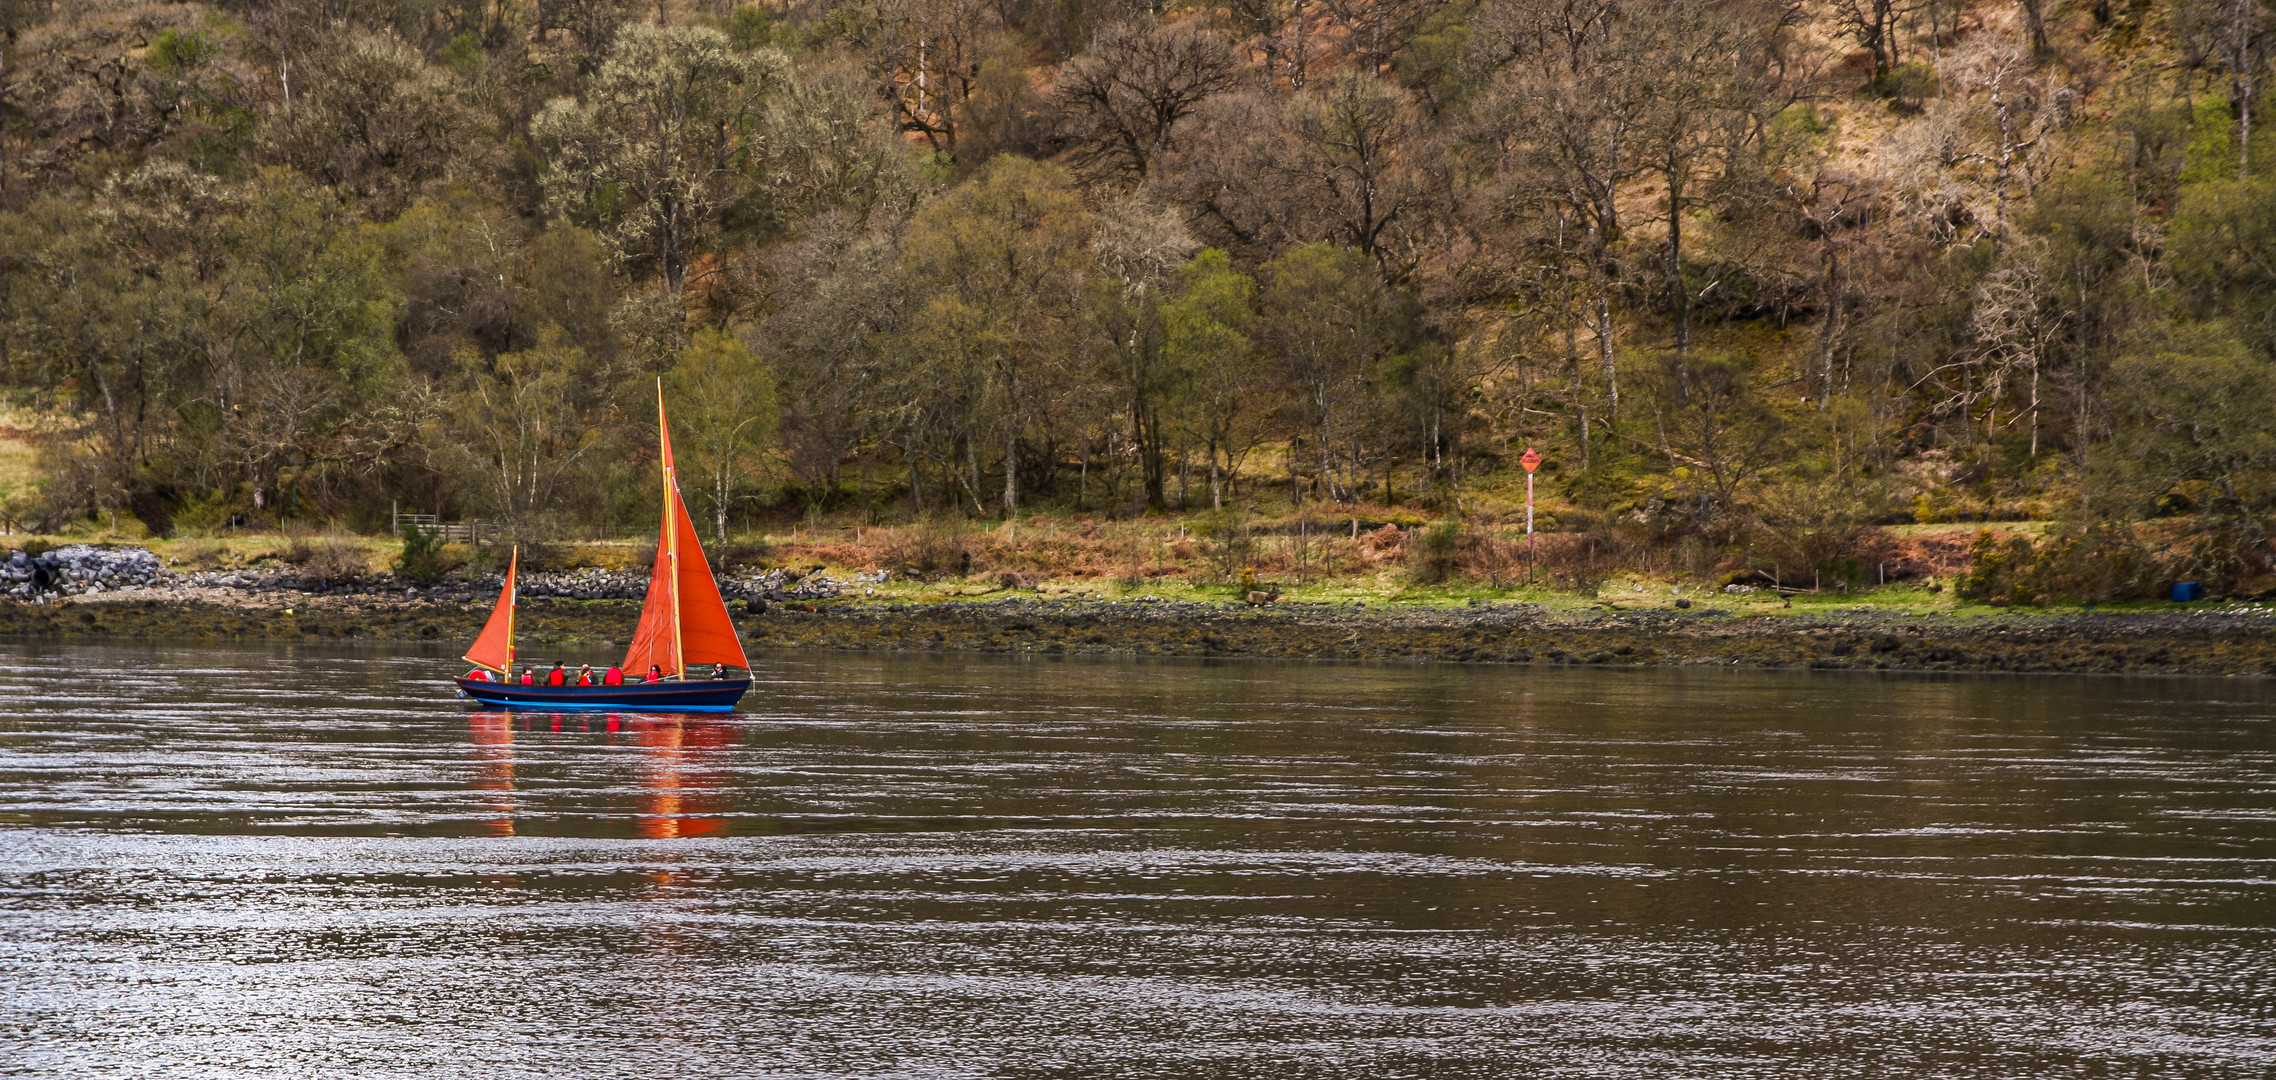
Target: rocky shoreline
{"x":2235,"y":640}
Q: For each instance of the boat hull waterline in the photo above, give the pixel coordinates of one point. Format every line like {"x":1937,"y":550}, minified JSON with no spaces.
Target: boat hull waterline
{"x":693,"y":695}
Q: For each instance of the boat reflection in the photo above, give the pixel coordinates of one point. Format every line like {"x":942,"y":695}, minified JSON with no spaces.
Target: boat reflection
{"x":492,"y":735}
{"x":682,"y":791}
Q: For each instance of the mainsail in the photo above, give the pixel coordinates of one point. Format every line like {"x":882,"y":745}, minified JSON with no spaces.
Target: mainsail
{"x":684,"y":621}
{"x":495,"y":648}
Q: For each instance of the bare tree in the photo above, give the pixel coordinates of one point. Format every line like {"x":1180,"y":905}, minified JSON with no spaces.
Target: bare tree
{"x":1877,"y":26}
{"x":2019,"y":318}
{"x":592,"y":27}
{"x":1353,"y":163}
{"x":1572,"y":91}
{"x":1989,"y":131}
{"x":1130,"y":91}
{"x":923,"y":56}
{"x":1719,"y":74}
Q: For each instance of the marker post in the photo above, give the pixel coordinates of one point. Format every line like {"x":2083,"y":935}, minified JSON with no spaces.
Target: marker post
{"x":1531,"y":460}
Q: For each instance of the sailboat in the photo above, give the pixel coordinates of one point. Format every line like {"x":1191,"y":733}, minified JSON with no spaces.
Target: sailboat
{"x":683,"y":624}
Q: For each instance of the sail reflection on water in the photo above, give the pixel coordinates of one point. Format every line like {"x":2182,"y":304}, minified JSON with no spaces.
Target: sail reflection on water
{"x":683,"y":793}
{"x":491,"y":734}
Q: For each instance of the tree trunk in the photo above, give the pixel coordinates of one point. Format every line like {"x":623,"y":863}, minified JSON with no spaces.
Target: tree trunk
{"x":1151,"y":457}
{"x":1011,"y":474}
{"x":1295,"y":480}
{"x":1604,"y":348}
{"x":1831,"y":329}
{"x":2240,"y":79}
{"x":719,"y":506}
{"x":1216,"y":487}
{"x":2035,"y":18}
{"x":2034,"y":404}
{"x":1679,"y":298}
{"x":972,"y":462}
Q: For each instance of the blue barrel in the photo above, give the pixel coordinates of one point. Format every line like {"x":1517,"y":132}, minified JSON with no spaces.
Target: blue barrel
{"x":2188,"y":592}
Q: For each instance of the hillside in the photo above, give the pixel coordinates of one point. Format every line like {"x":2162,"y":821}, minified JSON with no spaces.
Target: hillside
{"x":1766,"y":283}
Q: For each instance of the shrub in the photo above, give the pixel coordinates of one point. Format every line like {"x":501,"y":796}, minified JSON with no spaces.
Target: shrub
{"x":2093,"y":564}
{"x":1432,"y":559}
{"x":327,"y":562}
{"x":205,"y":514}
{"x":422,"y":560}
{"x":1840,"y":570}
{"x":928,"y":550}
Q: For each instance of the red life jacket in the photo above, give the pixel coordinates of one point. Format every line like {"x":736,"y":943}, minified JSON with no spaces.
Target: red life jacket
{"x":528,"y":677}
{"x":553,"y":678}
{"x":615,"y":677}
{"x":477,"y":675}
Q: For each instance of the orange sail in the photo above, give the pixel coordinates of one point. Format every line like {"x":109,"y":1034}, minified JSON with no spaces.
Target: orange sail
{"x":494,"y":649}
{"x":684,"y":621}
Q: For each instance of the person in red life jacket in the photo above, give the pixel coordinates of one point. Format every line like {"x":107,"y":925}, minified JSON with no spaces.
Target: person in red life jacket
{"x":615,"y":676}
{"x":655,"y":674}
{"x":477,"y":675}
{"x":556,"y":677}
{"x":529,"y":676}
{"x":584,"y":674}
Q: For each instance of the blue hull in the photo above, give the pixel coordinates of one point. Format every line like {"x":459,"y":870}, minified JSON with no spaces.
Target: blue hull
{"x":694,"y":695}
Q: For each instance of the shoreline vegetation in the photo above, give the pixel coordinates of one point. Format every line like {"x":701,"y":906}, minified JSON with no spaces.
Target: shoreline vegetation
{"x":1056,"y":592}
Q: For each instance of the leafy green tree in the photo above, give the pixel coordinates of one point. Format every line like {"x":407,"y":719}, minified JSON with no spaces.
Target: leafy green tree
{"x":2192,"y":405}
{"x":2223,"y":251}
{"x":1138,"y":247}
{"x":112,"y":318}
{"x":727,"y":416}
{"x":316,"y":377}
{"x":1330,"y":320}
{"x":659,"y":148}
{"x":1221,"y":383}
{"x":1002,"y":259}
{"x":514,"y":432}
{"x":374,"y":119}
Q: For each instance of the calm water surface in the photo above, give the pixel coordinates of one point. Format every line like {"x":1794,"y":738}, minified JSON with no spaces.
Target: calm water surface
{"x":244,"y":862}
